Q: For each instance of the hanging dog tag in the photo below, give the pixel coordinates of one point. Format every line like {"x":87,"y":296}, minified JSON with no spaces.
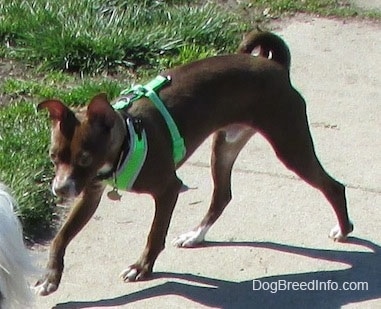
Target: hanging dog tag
{"x":114,"y":195}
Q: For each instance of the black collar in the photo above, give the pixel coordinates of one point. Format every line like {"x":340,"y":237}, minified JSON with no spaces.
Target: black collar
{"x":120,"y":158}
{"x":125,"y":148}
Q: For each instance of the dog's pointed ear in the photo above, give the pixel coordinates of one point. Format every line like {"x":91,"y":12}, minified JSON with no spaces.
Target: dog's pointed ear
{"x":57,"y":110}
{"x":101,"y":112}
{"x":60,"y":115}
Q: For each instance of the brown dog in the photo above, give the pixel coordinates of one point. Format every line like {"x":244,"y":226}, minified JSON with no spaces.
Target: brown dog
{"x":232,"y":96}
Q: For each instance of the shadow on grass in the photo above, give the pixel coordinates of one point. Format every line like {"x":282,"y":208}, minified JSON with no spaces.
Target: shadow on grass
{"x":365,"y":267}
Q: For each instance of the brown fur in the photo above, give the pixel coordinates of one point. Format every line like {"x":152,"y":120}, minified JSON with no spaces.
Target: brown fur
{"x":232,"y":96}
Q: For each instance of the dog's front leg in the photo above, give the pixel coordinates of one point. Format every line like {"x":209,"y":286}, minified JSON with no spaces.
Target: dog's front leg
{"x":81,"y":212}
{"x":164,"y":205}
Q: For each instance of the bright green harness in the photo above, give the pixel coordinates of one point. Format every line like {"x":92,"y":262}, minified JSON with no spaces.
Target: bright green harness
{"x":129,"y":169}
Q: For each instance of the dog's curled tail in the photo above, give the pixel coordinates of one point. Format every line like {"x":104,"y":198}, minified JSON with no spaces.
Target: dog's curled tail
{"x":266,"y":44}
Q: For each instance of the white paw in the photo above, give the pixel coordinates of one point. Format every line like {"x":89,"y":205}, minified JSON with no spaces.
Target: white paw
{"x":192,"y":238}
{"x":337,"y":235}
{"x":135,"y":272}
{"x":45,"y":288}
{"x":129,"y":274}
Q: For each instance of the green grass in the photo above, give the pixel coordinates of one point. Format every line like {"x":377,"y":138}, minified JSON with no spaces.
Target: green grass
{"x":77,"y":92}
{"x":23,"y":149}
{"x":81,"y":48}
{"x":97,"y":36}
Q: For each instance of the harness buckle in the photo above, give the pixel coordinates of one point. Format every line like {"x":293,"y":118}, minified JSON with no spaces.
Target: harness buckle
{"x":138,"y":126}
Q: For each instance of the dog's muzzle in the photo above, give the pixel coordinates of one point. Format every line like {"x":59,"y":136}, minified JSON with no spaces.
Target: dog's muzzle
{"x":64,"y":188}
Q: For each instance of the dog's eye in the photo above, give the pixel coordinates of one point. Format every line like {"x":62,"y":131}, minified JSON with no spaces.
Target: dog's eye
{"x":84,"y":159}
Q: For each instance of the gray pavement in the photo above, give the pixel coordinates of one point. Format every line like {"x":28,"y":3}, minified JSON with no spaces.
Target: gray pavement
{"x":275,"y":229}
{"x":368,"y":4}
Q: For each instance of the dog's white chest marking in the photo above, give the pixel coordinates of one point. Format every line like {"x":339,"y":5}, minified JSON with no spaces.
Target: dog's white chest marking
{"x":234,"y":132}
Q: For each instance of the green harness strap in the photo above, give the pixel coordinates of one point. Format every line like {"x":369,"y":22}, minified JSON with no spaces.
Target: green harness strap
{"x":149,"y":91}
{"x":130,"y":168}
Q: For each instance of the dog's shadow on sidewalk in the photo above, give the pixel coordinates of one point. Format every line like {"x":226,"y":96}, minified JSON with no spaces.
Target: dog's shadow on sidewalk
{"x":364,"y":267}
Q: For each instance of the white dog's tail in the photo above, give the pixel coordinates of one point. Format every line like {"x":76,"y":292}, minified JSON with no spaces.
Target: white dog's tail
{"x":15,"y":261}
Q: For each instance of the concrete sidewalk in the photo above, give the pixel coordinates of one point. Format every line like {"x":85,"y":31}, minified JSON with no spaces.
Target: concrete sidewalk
{"x":368,"y":4}
{"x":275,"y":230}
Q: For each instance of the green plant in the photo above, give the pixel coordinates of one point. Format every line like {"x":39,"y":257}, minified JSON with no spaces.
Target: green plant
{"x":77,"y":92}
{"x":24,"y":164}
{"x":102,"y":36}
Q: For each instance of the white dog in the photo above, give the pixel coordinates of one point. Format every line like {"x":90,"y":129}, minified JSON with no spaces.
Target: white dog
{"x":15,"y":261}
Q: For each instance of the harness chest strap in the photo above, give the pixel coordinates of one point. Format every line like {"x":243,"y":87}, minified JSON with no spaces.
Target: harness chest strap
{"x":178,"y":142}
{"x":129,"y":170}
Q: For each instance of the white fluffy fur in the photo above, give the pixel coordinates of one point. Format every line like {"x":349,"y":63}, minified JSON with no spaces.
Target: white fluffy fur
{"x":15,"y":261}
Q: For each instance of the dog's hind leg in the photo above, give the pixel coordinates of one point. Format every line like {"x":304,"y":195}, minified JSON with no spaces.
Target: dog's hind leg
{"x":227,"y":144}
{"x":291,"y":139}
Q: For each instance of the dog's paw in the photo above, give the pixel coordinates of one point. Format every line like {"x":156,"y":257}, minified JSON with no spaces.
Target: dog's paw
{"x":49,"y":283}
{"x":134,"y":273}
{"x":190,"y":239}
{"x":44,"y":287}
{"x":338,"y":235}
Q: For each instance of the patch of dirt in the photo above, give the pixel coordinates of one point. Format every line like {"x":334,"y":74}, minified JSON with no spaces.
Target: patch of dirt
{"x":11,"y":69}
